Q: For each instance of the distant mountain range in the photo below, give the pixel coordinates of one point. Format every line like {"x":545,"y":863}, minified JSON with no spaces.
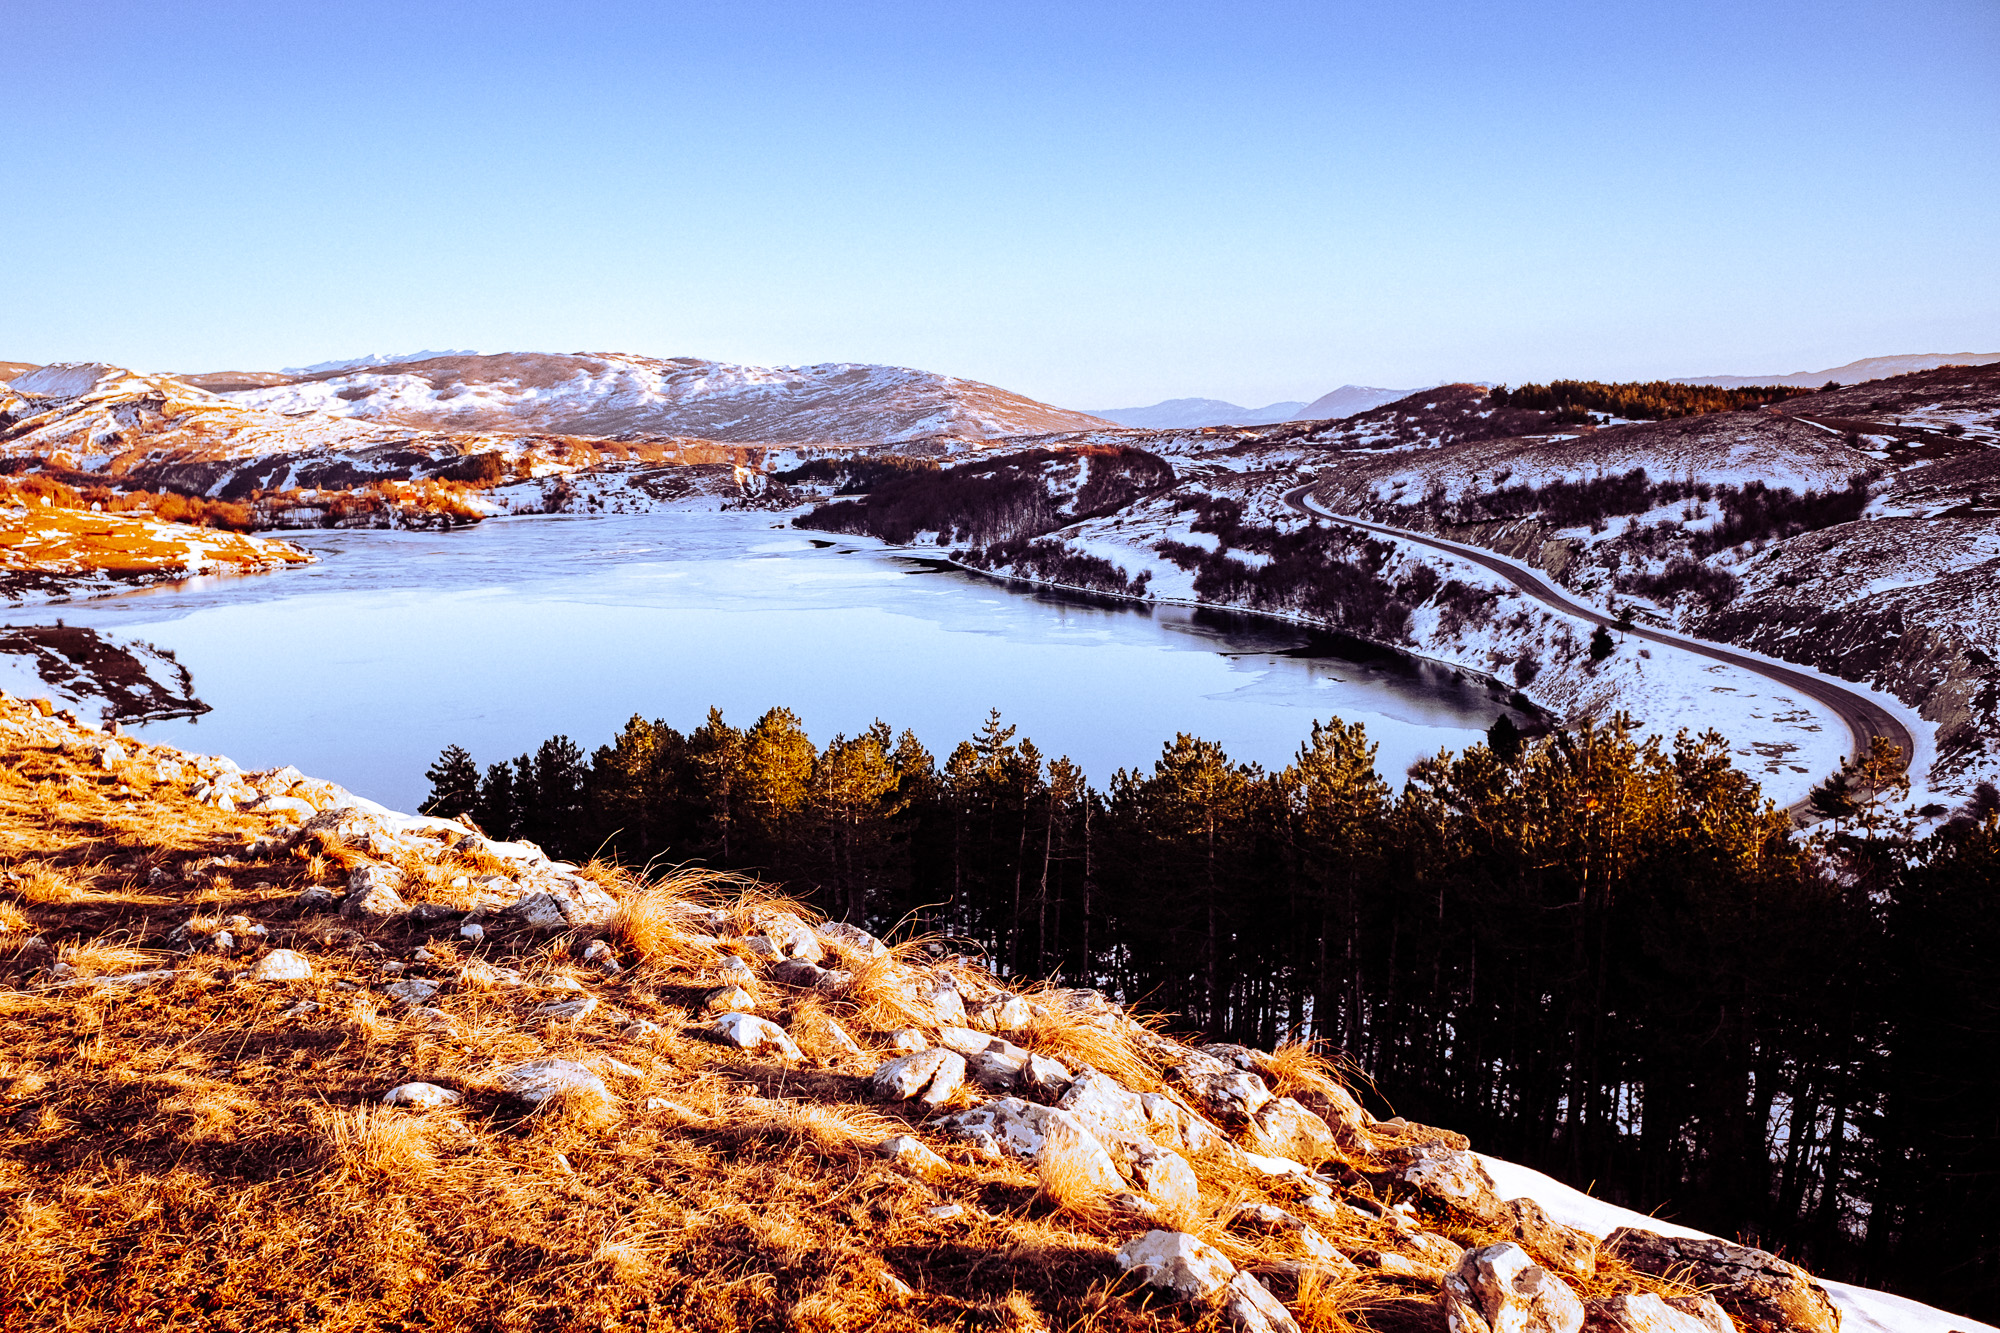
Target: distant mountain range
{"x":379,"y":359}
{"x":621,"y":394}
{"x":1854,"y":372}
{"x":1190,"y":413}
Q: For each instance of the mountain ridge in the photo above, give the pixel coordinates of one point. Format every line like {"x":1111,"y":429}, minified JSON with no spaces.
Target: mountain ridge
{"x":617,"y":393}
{"x":1866,"y":369}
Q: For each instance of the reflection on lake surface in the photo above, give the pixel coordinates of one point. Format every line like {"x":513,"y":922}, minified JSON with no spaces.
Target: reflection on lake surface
{"x":361,"y":668}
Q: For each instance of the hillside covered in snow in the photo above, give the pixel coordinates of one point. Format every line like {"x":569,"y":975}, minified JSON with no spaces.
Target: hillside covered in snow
{"x":1851,"y":531}
{"x":616,"y":394}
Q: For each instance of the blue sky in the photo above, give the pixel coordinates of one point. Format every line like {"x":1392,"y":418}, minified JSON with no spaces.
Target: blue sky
{"x":1097,"y":204}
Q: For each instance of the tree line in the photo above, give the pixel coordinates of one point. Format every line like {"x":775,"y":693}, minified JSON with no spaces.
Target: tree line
{"x":987,"y":500}
{"x":1654,"y":400}
{"x":1608,"y":958}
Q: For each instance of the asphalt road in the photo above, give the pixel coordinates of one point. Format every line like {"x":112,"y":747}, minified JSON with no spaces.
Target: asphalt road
{"x":1865,"y":719}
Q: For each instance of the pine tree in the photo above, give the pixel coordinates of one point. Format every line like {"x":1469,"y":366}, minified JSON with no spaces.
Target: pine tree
{"x":559,"y":776}
{"x":715,"y":756}
{"x":495,"y":810}
{"x":454,"y":780}
{"x":772,"y":787}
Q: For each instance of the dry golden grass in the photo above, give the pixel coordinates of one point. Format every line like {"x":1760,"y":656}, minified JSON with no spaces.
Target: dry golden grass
{"x":1297,"y":1066}
{"x":1065,"y":1171}
{"x":1078,"y":1039}
{"x":102,"y":957}
{"x":38,"y":882}
{"x":379,"y":1141}
{"x":1327,"y":1301}
{"x":660,"y":922}
{"x":881,"y":998}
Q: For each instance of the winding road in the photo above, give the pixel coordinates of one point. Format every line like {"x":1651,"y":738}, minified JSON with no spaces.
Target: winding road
{"x":1864,"y":718}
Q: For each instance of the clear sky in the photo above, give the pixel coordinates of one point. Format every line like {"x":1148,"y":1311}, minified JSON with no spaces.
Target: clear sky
{"x":1098,"y":204}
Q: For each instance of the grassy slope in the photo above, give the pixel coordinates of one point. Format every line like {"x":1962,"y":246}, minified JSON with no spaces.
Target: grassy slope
{"x":200,"y":1152}
{"x":41,"y":545}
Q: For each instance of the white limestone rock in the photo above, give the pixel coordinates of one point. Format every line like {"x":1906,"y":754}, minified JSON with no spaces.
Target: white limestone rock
{"x":911,"y":1154}
{"x":539,"y":1080}
{"x":1191,"y":1270}
{"x":930,"y":1076}
{"x":282,"y":965}
{"x":1644,"y":1312}
{"x":375,"y":891}
{"x":411,"y":990}
{"x":1275,"y":1221}
{"x":421,"y":1096}
{"x":853,"y":938}
{"x":751,"y":1033}
{"x":1499,"y":1289}
{"x":567,"y":1010}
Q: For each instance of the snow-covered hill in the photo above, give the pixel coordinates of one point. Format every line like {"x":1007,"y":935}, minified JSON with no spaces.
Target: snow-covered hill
{"x":1346,"y":401}
{"x":1854,"y":372}
{"x":1180,"y":413}
{"x":616,"y":394}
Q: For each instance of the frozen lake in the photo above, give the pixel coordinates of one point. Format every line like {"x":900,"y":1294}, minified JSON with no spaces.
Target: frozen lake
{"x":362,"y":667}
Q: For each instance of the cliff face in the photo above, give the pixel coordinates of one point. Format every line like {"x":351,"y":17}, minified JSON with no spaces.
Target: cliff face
{"x":386,"y":1068}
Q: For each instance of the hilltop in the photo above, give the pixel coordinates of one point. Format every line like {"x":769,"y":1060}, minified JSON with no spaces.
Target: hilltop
{"x":616,"y":394}
{"x":389,"y":1070}
{"x":1855,"y":372}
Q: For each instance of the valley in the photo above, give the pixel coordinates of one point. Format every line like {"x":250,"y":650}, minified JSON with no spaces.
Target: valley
{"x":1851,"y":531}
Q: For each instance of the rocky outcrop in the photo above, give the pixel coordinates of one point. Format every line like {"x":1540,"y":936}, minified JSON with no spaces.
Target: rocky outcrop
{"x":1644,"y":1312}
{"x":1761,"y":1292}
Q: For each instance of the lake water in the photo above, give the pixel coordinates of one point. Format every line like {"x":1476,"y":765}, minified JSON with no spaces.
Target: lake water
{"x":361,"y":668}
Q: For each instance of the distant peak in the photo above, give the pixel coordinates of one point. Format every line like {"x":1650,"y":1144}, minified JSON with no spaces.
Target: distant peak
{"x":379,"y":359}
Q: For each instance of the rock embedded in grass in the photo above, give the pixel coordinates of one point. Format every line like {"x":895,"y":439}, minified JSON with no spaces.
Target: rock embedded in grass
{"x":910,"y":1153}
{"x":375,"y":891}
{"x":1275,"y":1221}
{"x":567,"y":1010}
{"x":1565,"y":1249}
{"x":282,"y":965}
{"x":1191,"y":1270}
{"x":1500,"y":1289}
{"x":751,"y":1033}
{"x":1160,"y":1175}
{"x":729,"y":999}
{"x":421,"y":1096}
{"x":1761,"y":1292}
{"x":1285,"y":1128}
{"x":412,"y":990}
{"x":1644,"y":1312}
{"x":808,"y":976}
{"x":853,"y":938}
{"x":930,"y":1076}
{"x":1008,"y":1013}
{"x":1452,"y":1177}
{"x":539,"y":1080}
